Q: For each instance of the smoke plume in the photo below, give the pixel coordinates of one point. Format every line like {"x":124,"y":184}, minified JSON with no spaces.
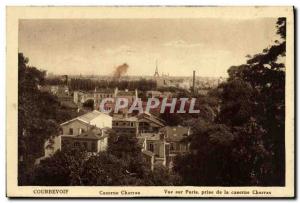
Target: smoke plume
{"x":120,"y":71}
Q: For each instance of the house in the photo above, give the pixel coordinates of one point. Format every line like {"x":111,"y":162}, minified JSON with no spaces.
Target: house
{"x":176,"y":136}
{"x":155,"y":149}
{"x":153,"y":93}
{"x":129,"y":95}
{"x":99,"y":95}
{"x":79,"y":97}
{"x":161,"y":148}
{"x":94,"y":140}
{"x":89,"y":129}
{"x":82,"y":123}
{"x":148,"y":123}
{"x":124,"y":125}
{"x":158,"y":94}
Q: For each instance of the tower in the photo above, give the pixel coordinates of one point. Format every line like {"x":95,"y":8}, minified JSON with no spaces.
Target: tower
{"x":156,"y":74}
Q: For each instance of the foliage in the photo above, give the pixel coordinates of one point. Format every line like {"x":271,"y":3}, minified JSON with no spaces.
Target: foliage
{"x":62,"y":169}
{"x":76,"y":167}
{"x":89,"y":104}
{"x":208,"y":162}
{"x":38,"y":114}
{"x":264,"y":73}
{"x":244,"y":145}
{"x":127,"y":148}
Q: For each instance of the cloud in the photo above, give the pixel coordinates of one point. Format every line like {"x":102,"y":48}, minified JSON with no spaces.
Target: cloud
{"x":181,"y":43}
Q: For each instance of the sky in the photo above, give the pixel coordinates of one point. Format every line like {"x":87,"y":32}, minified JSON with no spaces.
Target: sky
{"x":96,"y":46}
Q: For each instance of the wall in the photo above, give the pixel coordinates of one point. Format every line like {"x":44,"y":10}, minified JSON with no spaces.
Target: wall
{"x":102,"y":121}
{"x":76,"y":125}
{"x":102,"y":144}
{"x":70,"y":141}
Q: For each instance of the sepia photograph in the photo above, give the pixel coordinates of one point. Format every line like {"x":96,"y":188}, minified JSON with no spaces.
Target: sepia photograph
{"x":187,"y":101}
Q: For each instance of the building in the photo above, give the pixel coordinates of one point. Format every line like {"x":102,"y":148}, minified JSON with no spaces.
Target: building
{"x":58,"y":90}
{"x":154,"y":93}
{"x":161,"y":148}
{"x":148,"y":123}
{"x":129,"y":95}
{"x":83,"y":123}
{"x":97,"y":96}
{"x":124,"y":125}
{"x":90,"y":130}
{"x":158,"y":94}
{"x":161,"y":80}
{"x":93,"y":141}
{"x":177,"y":138}
{"x":155,"y":149}
{"x":80,"y":97}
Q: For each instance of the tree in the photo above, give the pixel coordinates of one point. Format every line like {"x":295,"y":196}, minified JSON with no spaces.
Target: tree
{"x":245,"y":145}
{"x":237,"y":102}
{"x":38,"y":117}
{"x":105,"y":169}
{"x":89,"y":104}
{"x":209,"y":161}
{"x":261,"y":96}
{"x":163,"y":176}
{"x":62,"y":169}
{"x":127,"y":148}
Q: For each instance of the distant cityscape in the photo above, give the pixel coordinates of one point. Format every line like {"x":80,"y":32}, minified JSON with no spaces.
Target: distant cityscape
{"x":199,"y":83}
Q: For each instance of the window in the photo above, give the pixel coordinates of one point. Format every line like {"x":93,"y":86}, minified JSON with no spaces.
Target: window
{"x":94,"y":147}
{"x":85,"y":145}
{"x":172,"y":146}
{"x":151,"y":147}
{"x":71,"y":131}
{"x":76,"y":144}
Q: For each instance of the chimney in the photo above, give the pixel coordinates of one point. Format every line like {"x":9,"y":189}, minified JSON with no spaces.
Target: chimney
{"x":194,"y":75}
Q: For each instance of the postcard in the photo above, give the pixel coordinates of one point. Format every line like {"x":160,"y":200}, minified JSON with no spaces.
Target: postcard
{"x":127,"y":102}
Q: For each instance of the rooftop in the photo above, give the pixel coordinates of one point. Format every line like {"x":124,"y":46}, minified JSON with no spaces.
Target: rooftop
{"x":91,"y":115}
{"x":124,"y":118}
{"x":88,"y":117}
{"x":152,"y":118}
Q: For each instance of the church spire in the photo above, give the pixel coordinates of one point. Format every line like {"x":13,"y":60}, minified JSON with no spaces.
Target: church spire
{"x":156,"y":74}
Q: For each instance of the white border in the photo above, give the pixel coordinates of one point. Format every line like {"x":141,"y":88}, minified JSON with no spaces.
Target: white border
{"x":96,"y":2}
